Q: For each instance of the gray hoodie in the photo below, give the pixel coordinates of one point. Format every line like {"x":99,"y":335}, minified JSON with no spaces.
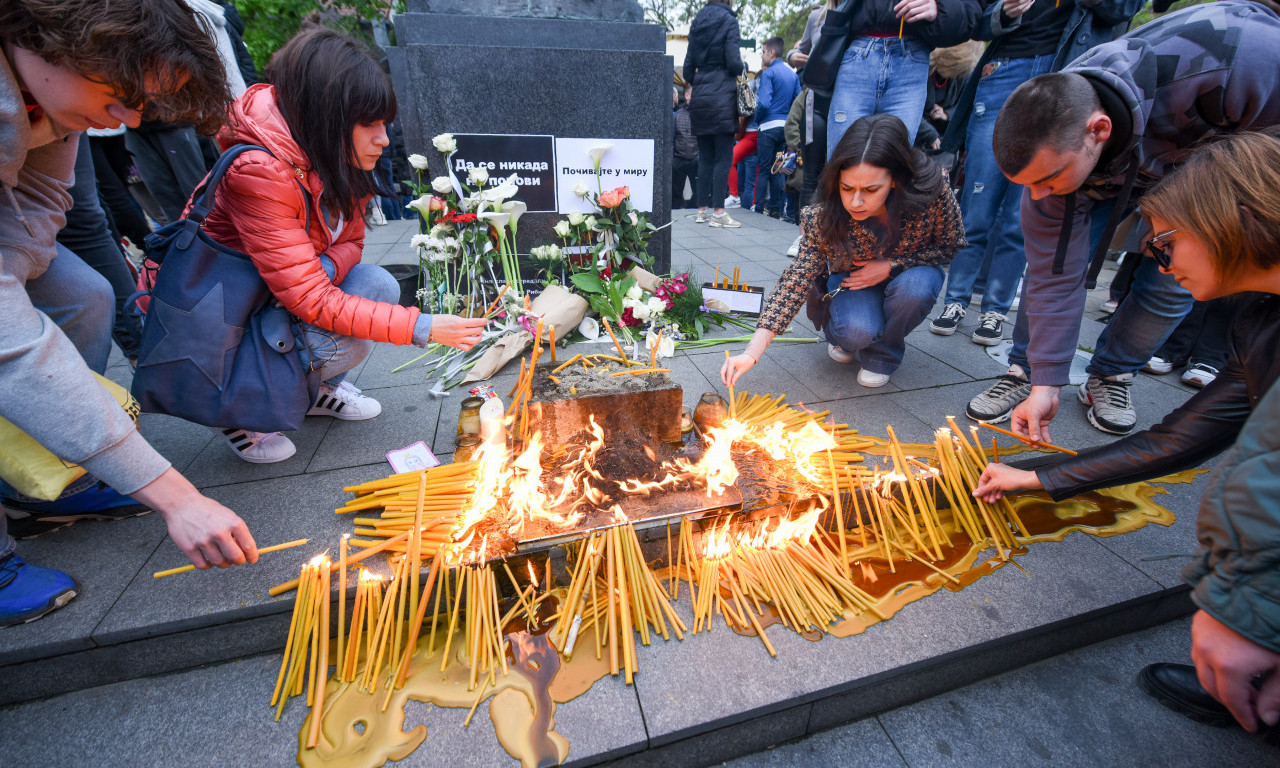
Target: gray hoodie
{"x":1203,"y":70}
{"x":46,"y":389}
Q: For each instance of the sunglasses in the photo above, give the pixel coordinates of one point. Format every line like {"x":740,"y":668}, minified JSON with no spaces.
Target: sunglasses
{"x":1159,"y":252}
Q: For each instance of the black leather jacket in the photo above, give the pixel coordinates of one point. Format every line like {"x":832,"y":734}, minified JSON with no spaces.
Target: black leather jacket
{"x":1200,"y":429}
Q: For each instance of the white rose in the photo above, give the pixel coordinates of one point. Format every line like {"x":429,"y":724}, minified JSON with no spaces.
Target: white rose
{"x":581,"y":189}
{"x":442,"y":185}
{"x":478,"y":176}
{"x":562,"y":228}
{"x":576,"y":218}
{"x":445,"y":143}
{"x":656,"y":305}
{"x":418,"y":161}
{"x":554,"y":252}
{"x":590,"y":222}
{"x":641,"y":311}
{"x":635,"y":292}
{"x":635,"y":220}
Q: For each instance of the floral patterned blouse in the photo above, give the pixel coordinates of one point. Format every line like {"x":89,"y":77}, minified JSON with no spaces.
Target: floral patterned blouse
{"x":929,"y":238}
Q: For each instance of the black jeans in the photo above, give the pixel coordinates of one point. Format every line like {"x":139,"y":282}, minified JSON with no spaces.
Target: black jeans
{"x":715,"y":153}
{"x":1203,"y":335}
{"x":683,"y":169}
{"x":171,"y":163}
{"x":111,"y":164}
{"x":87,"y":236}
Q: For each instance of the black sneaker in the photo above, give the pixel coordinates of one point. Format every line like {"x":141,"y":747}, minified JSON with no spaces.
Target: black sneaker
{"x":946,"y":323}
{"x":998,"y":401}
{"x":990,"y":330}
{"x":1110,"y":407}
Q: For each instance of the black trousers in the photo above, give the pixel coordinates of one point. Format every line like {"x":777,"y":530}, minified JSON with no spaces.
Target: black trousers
{"x":715,"y":153}
{"x":681,"y":170}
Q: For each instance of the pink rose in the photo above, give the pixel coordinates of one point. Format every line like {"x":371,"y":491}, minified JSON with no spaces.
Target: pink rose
{"x":614,"y":197}
{"x":437,"y":204}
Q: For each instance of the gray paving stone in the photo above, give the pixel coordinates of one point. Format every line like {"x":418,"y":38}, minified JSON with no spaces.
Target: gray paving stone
{"x":1081,"y":708}
{"x":103,"y":557}
{"x":863,"y":743}
{"x":178,"y":441}
{"x":1067,"y":579}
{"x":276,"y":511}
{"x":377,"y":370}
{"x":409,"y":414}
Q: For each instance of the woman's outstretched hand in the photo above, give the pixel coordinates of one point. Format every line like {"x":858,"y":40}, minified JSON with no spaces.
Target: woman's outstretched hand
{"x":457,"y":332}
{"x":999,"y":479}
{"x":734,"y":367}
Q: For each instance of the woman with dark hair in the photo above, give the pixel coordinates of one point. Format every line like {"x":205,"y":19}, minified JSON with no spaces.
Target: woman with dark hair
{"x":883,"y":225}
{"x":712,"y":65}
{"x":323,"y":117}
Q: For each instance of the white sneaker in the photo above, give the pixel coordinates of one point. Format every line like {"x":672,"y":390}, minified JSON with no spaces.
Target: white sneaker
{"x":701,"y":218}
{"x":733,"y":201}
{"x":871,"y":379}
{"x":838,"y":354}
{"x":1200,"y":375}
{"x":344,"y":402}
{"x":724,"y":220}
{"x":259,"y":447}
{"x":794,"y":250}
{"x":376,"y":217}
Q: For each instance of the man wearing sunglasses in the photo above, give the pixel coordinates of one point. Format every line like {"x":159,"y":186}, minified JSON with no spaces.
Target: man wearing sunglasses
{"x":1085,"y":143}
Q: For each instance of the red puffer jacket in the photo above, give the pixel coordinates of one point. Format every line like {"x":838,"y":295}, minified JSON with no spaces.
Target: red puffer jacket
{"x":261,"y":211}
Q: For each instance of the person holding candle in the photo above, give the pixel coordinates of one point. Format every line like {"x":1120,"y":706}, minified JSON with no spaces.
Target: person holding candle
{"x":884,"y":226}
{"x":65,"y":66}
{"x":323,"y":114}
{"x":1217,"y":225}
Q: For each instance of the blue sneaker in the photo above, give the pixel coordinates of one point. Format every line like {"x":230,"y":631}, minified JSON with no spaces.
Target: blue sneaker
{"x":93,"y":500}
{"x":28,"y":592}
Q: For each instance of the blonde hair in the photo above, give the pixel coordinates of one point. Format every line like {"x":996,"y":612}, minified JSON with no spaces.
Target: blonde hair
{"x":956,"y":61}
{"x":1227,"y":196}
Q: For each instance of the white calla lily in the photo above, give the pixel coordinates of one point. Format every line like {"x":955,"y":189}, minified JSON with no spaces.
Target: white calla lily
{"x":597,"y":153}
{"x":496,"y":219}
{"x":516,"y":209}
{"x":421,"y":204}
{"x":666,"y":347}
{"x":589,"y":328}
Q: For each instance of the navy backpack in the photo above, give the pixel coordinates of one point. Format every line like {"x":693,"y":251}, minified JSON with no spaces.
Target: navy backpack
{"x":217,"y":348}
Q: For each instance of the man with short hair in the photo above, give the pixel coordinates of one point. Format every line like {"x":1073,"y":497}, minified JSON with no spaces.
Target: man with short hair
{"x":68,"y":65}
{"x":779,"y":86}
{"x":1085,"y":142}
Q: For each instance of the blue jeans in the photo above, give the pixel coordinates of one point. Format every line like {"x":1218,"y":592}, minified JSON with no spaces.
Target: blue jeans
{"x":875,"y":321}
{"x":991,"y":203}
{"x":879,"y":75}
{"x":769,"y":199}
{"x":337,"y":353}
{"x":1145,"y":319}
{"x":81,"y":303}
{"x":747,"y":170}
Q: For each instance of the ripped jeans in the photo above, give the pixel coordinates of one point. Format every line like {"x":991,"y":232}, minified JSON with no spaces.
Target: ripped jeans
{"x":990,"y":202}
{"x":879,"y":74}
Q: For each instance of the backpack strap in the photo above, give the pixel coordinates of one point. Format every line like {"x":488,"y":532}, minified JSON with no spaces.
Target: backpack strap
{"x":202,"y":199}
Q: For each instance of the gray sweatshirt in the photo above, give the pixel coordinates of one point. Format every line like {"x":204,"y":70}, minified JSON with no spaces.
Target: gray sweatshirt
{"x":1189,"y":74}
{"x":46,"y":389}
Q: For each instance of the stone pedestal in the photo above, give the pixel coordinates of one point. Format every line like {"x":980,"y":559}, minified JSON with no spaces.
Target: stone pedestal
{"x":563,"y":68}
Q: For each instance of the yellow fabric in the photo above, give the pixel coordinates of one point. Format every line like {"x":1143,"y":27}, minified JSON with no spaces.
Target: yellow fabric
{"x":32,"y":469}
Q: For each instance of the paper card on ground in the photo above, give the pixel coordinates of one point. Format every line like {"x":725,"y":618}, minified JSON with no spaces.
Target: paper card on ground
{"x":414,"y":457}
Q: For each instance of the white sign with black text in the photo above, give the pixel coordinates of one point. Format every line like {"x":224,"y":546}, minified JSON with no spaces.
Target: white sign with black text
{"x":625,"y":163}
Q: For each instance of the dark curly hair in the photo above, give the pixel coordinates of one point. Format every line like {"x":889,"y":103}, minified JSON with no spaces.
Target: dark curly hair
{"x":127,"y":44}
{"x":326,"y":84}
{"x":882,"y":141}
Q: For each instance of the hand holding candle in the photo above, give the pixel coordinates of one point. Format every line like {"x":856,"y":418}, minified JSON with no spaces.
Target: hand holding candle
{"x":910,"y":11}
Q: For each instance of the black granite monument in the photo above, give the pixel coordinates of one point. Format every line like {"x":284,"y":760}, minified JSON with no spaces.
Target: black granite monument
{"x":560,"y":68}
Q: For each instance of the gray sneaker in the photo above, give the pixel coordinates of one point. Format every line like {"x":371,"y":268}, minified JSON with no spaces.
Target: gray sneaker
{"x":990,"y":330}
{"x":998,"y":401}
{"x":724,"y":220}
{"x":946,"y":323}
{"x":1111,"y":409}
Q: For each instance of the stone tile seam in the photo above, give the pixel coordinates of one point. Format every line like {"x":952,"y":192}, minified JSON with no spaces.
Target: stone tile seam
{"x":142,"y":566}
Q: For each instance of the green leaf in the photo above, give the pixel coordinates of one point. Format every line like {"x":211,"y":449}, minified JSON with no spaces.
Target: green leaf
{"x":587,"y":282}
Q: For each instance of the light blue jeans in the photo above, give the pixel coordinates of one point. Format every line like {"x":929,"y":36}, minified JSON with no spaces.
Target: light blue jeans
{"x":1148,"y":315}
{"x":339,"y":354}
{"x":879,"y":75}
{"x":81,"y":303}
{"x":875,"y":321}
{"x":991,"y":203}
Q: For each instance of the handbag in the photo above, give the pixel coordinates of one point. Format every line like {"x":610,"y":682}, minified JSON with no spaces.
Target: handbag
{"x":824,"y":59}
{"x":746,"y":97}
{"x":817,"y":307}
{"x":217,"y":348}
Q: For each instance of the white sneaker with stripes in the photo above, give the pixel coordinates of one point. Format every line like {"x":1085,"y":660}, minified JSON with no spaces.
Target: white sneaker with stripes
{"x":344,"y":402}
{"x":259,"y":447}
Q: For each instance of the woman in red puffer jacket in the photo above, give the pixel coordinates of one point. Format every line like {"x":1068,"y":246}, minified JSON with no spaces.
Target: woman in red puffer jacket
{"x":323,"y":118}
